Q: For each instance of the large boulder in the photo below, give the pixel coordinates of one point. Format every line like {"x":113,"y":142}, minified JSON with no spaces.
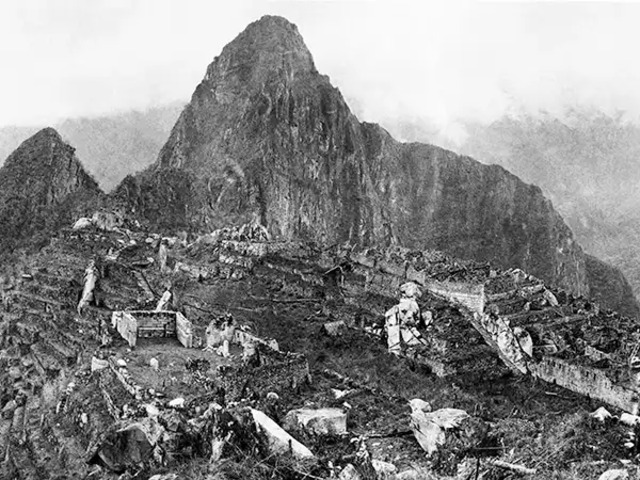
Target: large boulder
{"x":128,"y":445}
{"x":430,"y":428}
{"x":614,"y":474}
{"x":278,"y":440}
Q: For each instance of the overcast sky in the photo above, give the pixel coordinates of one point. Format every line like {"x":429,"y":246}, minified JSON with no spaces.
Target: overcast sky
{"x":438,"y":61}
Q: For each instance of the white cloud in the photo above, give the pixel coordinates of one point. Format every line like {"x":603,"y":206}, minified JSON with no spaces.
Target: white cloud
{"x":442,"y":61}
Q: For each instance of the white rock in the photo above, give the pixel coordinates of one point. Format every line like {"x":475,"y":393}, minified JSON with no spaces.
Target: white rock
{"x":323,"y":421}
{"x":614,"y":474}
{"x":167,"y":476}
{"x":410,"y":290}
{"x":550,"y":298}
{"x":177,"y":402}
{"x":98,"y":364}
{"x":628,"y":419}
{"x":333,"y":329}
{"x":384,"y":469}
{"x":413,"y":474}
{"x":601,"y":414}
{"x":280,"y":442}
{"x":349,"y":473}
{"x":152,"y":410}
{"x":338,"y":394}
{"x":429,"y":428}
{"x":82,"y":223}
{"x":419,"y":405}
{"x":524,"y":340}
{"x":121,"y":363}
{"x":153,"y":363}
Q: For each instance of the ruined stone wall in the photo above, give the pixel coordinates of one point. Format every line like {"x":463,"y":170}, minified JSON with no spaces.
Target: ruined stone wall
{"x":184,"y":330}
{"x":155,"y":324}
{"x":468,"y":295}
{"x":584,"y":380}
{"x":126,"y":325}
{"x":123,"y":376}
{"x":142,"y":323}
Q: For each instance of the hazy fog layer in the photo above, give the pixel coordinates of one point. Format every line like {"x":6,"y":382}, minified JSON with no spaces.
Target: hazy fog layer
{"x":441,"y":62}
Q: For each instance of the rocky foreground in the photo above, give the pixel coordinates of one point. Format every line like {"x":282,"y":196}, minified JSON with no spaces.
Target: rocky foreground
{"x":78,"y":401}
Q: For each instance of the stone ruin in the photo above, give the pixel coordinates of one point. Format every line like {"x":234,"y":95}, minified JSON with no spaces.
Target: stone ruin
{"x":135,"y":324}
{"x":537,"y":330}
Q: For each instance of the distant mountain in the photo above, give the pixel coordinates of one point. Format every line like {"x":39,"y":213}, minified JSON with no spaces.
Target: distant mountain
{"x":42,"y":187}
{"x":268,"y":138}
{"x":111,"y":147}
{"x":588,"y":164}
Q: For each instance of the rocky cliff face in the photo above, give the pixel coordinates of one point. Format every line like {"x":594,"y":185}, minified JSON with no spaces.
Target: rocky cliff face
{"x":610,"y":288}
{"x":42,"y":186}
{"x":267,"y":138}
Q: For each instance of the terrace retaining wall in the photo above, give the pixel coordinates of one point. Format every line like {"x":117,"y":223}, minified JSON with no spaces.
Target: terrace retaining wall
{"x":591,"y":382}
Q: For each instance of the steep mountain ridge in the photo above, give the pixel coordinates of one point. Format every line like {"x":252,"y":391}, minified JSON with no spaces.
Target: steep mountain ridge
{"x":111,"y":146}
{"x":42,"y":187}
{"x":267,"y":138}
{"x":586,"y":162}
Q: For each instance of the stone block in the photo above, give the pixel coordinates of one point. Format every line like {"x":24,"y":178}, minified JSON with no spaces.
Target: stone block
{"x":323,"y":421}
{"x":279,"y":441}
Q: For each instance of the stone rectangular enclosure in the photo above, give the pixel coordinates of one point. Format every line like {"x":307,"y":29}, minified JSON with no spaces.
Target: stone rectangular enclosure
{"x":135,"y":324}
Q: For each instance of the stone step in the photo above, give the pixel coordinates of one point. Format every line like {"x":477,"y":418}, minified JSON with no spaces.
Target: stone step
{"x":508,"y":302}
{"x":568,"y":320}
{"x":527,"y":290}
{"x":537,"y":316}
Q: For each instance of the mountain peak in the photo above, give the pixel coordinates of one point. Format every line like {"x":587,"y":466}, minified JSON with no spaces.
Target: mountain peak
{"x":43,"y":147}
{"x":268,"y":46}
{"x":42,"y":187}
{"x":48,"y":132}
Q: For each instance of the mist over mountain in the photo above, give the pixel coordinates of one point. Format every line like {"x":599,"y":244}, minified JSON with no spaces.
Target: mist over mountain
{"x":111,"y":146}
